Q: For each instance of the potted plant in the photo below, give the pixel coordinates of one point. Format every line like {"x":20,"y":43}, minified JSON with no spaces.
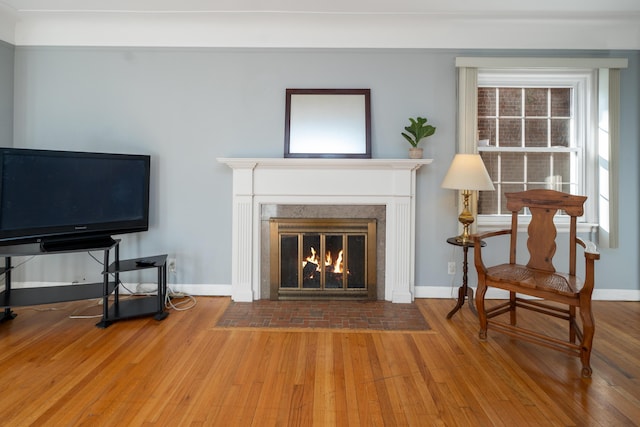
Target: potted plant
{"x":418,"y":130}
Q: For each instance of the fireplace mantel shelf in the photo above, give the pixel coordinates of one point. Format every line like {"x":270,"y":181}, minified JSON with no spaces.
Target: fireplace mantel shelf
{"x":299,"y":163}
{"x":388,"y":182}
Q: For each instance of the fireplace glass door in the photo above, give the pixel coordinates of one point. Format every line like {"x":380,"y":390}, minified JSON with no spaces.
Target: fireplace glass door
{"x":323,"y":258}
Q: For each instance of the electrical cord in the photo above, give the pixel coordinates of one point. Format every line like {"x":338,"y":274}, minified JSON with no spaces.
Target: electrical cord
{"x":169,"y":296}
{"x":96,"y":303}
{"x":42,"y":310}
{"x":13,"y":267}
{"x":178,"y":306}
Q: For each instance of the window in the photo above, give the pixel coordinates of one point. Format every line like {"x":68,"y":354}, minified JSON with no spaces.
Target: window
{"x":543,"y":123}
{"x":534,"y":132}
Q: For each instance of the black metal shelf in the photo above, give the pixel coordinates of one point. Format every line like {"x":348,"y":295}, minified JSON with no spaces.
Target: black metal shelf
{"x":118,"y":309}
{"x":121,"y":266}
{"x":53,"y":294}
{"x":136,"y":307}
{"x":122,"y":309}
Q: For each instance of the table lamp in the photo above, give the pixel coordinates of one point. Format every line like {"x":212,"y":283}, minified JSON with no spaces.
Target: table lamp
{"x":467,"y":173}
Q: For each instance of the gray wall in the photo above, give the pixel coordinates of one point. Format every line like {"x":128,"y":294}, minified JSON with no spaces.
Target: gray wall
{"x":186,"y":107}
{"x":6,"y":94}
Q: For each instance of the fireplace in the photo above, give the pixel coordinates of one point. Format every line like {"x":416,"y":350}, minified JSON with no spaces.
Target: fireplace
{"x":322,"y":258}
{"x":322,"y":212}
{"x":390,"y":183}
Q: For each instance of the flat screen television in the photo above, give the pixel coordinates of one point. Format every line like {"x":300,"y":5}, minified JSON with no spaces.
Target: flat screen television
{"x":69,"y":199}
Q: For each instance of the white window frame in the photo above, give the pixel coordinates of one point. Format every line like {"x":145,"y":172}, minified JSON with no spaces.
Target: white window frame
{"x":584,"y":84}
{"x":606,"y":112}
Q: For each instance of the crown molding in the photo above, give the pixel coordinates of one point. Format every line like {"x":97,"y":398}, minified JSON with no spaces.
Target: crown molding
{"x":513,"y":30}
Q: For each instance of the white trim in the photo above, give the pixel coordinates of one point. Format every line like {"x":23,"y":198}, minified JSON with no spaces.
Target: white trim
{"x":213,"y":290}
{"x":493,"y":62}
{"x":209,"y":289}
{"x":486,"y":29}
{"x":388,"y":182}
{"x":529,"y":149}
{"x":436,"y":292}
{"x":503,"y":222}
{"x":318,"y":163}
{"x":448,"y":292}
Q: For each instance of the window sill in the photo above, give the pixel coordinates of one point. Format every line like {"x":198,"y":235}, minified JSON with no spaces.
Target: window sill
{"x":500,"y":223}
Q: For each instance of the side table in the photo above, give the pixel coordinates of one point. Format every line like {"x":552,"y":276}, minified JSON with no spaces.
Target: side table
{"x":464,"y":291}
{"x":140,"y":306}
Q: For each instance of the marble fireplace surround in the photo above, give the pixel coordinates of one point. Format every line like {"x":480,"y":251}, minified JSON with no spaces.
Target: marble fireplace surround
{"x":377,"y":212}
{"x":293,"y":181}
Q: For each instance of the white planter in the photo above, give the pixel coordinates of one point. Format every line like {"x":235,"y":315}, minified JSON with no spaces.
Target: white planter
{"x":415,"y":153}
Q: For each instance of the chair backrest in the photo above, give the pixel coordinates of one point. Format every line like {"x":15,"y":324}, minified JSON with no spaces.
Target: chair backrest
{"x":541,"y":244}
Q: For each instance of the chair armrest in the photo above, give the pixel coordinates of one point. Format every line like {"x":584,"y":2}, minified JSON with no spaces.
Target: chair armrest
{"x":477,"y":247}
{"x":590,"y":248}
{"x":591,"y":254}
{"x":478,"y":237}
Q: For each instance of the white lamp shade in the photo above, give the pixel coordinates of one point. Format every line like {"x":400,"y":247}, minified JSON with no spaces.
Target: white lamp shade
{"x":467,"y":172}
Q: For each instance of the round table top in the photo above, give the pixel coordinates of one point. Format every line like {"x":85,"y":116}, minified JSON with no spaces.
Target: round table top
{"x":468,"y":243}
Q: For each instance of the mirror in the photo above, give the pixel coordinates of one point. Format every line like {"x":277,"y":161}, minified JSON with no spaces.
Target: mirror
{"x":328,"y":123}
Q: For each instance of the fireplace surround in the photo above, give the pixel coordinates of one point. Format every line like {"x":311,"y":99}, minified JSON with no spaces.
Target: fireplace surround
{"x":262,"y":181}
{"x":376,"y":213}
{"x":322,"y":258}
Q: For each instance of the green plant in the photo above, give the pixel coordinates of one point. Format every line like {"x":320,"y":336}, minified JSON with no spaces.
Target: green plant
{"x":419,"y":129}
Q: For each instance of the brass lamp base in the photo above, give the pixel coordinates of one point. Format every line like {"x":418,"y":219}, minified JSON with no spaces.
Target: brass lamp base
{"x":465,"y":218}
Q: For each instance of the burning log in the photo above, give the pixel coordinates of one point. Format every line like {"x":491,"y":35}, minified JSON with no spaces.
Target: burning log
{"x":309,"y":270}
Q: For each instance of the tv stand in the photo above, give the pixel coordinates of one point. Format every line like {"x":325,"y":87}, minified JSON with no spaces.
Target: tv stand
{"x":117,"y":310}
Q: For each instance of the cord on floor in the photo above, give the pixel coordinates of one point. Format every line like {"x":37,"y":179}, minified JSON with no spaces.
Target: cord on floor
{"x":178,"y":306}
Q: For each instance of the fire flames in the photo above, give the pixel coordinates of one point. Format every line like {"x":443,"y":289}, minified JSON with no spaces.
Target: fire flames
{"x":330,"y":265}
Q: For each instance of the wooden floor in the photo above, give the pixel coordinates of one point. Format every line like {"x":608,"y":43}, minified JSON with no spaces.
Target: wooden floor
{"x":184,"y":371}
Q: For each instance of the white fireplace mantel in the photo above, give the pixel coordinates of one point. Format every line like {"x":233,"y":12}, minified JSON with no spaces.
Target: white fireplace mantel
{"x":388,"y":182}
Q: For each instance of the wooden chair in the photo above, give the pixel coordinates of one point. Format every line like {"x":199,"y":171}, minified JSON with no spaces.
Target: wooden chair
{"x":558,"y":293}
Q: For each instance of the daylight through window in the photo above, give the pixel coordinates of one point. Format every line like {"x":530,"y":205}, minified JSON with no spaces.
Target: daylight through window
{"x":527,"y":139}
{"x":544,"y":123}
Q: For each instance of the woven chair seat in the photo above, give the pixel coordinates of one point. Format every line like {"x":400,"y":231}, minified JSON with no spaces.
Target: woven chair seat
{"x":517,"y":274}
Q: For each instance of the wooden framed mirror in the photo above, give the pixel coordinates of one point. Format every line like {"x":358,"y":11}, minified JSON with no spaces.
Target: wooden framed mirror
{"x":328,"y":123}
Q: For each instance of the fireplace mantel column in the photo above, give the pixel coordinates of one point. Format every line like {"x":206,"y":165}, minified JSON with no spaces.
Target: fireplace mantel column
{"x":242,"y":240}
{"x":399,"y":266}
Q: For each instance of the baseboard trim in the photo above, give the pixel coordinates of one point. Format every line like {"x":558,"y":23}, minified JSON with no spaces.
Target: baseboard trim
{"x":598,"y":294}
{"x":202,"y":290}
{"x":440,"y":292}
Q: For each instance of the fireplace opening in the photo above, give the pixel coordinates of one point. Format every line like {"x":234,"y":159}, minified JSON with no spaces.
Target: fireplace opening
{"x":323,"y":258}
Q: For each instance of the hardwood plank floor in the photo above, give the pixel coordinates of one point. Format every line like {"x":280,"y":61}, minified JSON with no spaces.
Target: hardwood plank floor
{"x":184,"y":371}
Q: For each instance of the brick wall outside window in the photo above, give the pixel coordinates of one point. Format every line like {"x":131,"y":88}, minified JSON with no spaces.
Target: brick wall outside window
{"x":527,"y":129}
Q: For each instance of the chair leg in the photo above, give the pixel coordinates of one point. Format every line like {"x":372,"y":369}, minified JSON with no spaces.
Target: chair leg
{"x":588,"y":329}
{"x":482,"y":313}
{"x":512,"y":308}
{"x":572,"y":323}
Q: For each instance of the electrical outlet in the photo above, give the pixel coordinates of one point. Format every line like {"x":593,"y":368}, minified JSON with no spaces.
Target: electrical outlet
{"x":451,"y":268}
{"x":171,"y":265}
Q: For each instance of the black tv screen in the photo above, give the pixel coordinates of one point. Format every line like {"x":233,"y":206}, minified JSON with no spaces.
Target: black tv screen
{"x":69,"y":196}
